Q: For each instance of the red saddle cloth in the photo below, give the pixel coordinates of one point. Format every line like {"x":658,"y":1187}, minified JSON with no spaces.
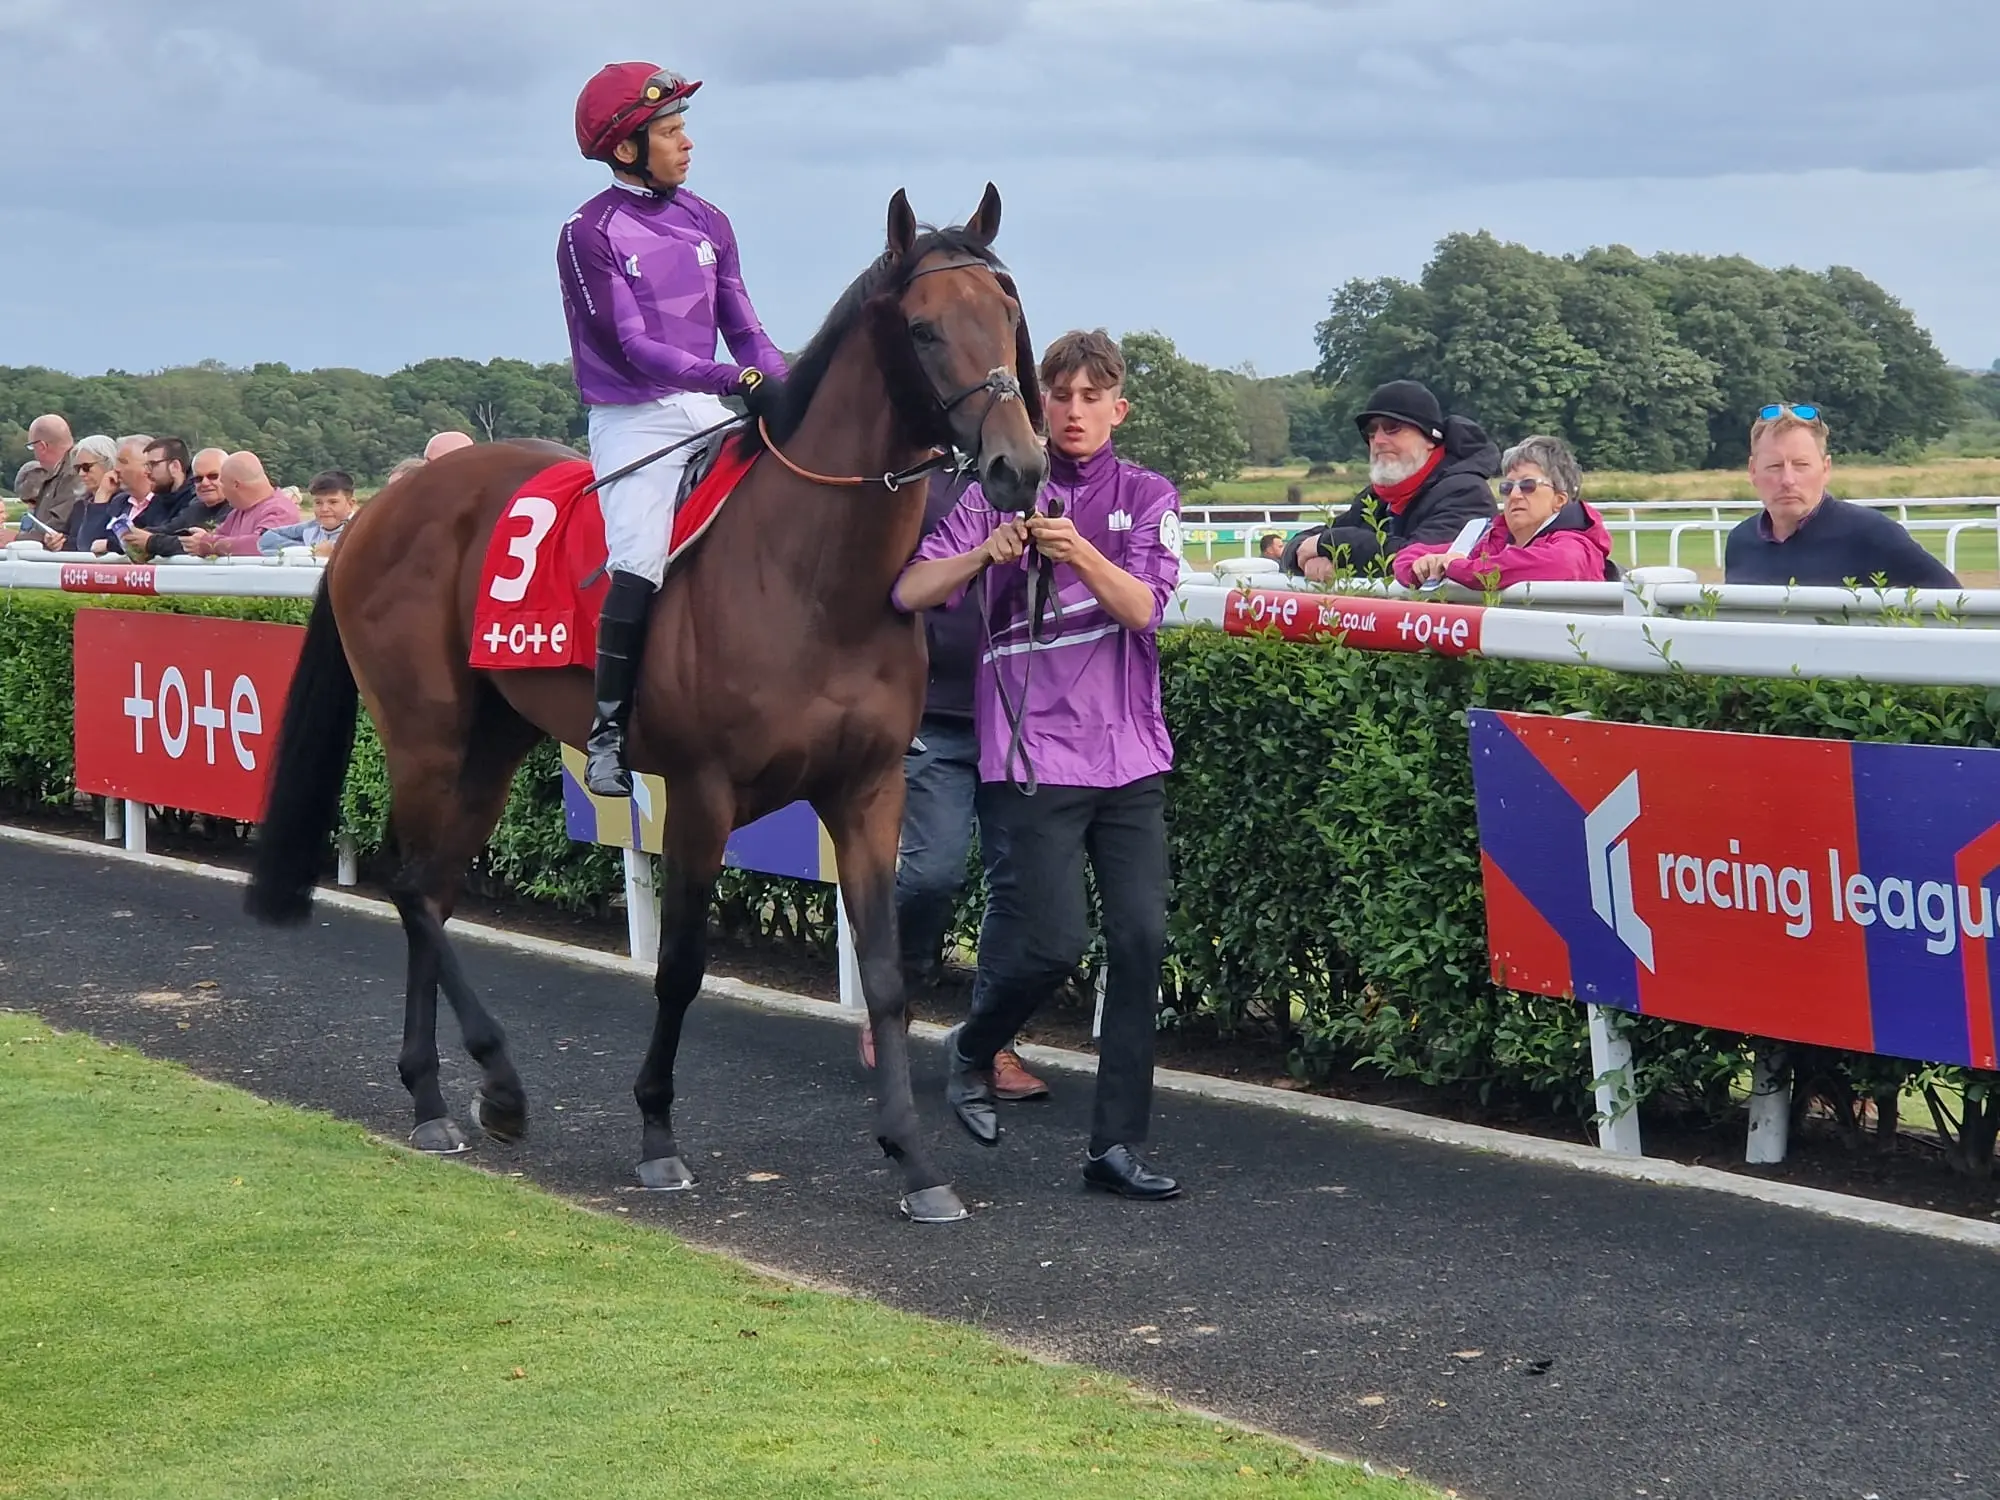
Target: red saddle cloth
{"x":543,"y":582}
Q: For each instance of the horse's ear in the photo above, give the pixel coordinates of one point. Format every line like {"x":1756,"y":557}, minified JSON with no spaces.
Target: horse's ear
{"x":1024,"y":360}
{"x":983,"y":228}
{"x":902,"y":225}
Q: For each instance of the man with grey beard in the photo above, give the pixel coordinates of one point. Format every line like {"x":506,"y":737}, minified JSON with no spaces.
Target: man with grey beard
{"x":1428,"y":474}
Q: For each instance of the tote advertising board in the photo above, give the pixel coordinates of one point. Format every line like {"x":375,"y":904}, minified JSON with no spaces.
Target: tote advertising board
{"x":1815,"y":891}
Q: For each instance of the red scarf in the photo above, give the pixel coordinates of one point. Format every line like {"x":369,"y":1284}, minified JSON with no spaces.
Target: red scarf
{"x":1398,"y":496}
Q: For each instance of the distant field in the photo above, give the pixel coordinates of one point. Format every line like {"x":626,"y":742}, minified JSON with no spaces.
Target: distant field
{"x":1978,"y":559}
{"x":1938,"y":477}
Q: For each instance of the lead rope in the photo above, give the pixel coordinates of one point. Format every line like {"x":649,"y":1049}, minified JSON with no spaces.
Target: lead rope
{"x":1041,"y":580}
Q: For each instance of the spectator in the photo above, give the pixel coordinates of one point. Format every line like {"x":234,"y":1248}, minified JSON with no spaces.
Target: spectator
{"x":333,"y":505}
{"x":187,"y":498}
{"x":1544,"y":532}
{"x":1272,"y":545}
{"x":941,"y":783}
{"x":407,"y":466}
{"x":446,"y":442}
{"x":1427,"y":476}
{"x":255,"y":507}
{"x":49,"y":482}
{"x":1804,"y":535}
{"x":95,"y":459}
{"x":134,"y":485}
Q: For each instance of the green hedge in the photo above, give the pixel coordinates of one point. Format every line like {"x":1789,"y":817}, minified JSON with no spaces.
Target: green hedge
{"x":1325,"y":851}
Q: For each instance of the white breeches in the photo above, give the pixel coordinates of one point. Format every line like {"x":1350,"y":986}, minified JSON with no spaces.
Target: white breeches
{"x":639,"y":509}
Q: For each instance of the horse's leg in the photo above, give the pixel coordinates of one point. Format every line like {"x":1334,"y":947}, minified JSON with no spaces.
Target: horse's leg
{"x":698,"y":822}
{"x":443,"y":814}
{"x":865,"y":821}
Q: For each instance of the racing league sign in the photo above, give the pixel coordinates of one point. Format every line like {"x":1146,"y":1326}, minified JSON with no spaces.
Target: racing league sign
{"x":1816,"y":891}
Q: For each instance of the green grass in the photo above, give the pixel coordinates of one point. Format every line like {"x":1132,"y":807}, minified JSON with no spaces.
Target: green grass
{"x":202,"y":1294}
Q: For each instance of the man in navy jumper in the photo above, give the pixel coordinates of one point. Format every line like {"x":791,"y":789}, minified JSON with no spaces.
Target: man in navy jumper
{"x":1804,"y":535}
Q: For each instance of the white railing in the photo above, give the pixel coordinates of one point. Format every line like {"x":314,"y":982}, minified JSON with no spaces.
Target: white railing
{"x":1660,"y":591}
{"x":1660,"y":643}
{"x":293,"y":574}
{"x":1240,"y":525}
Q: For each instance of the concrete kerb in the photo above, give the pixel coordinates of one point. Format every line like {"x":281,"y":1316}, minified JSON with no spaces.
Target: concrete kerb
{"x":1826,"y":1204}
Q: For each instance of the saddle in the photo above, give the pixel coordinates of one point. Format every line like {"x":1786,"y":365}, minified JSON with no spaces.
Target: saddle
{"x":542,"y":584}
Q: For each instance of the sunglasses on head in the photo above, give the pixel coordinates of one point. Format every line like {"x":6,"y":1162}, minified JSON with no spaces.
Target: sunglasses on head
{"x":1779,"y":408}
{"x":1527,"y":486}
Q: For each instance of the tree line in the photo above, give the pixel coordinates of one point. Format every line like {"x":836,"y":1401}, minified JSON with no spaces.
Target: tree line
{"x":1643,"y":363}
{"x":302,"y":421}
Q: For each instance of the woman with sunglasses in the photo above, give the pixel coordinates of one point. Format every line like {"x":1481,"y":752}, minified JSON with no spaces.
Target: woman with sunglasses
{"x":95,"y":461}
{"x":1543,"y":534}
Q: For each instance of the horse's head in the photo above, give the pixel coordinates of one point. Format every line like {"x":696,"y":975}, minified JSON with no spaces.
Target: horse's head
{"x":959,"y":325}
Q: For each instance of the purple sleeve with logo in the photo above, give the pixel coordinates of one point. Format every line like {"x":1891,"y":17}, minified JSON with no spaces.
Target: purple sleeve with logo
{"x":602,"y":302}
{"x":1154,"y":554}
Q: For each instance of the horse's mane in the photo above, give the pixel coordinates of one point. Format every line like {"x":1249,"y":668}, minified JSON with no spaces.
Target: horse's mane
{"x":887,"y":272}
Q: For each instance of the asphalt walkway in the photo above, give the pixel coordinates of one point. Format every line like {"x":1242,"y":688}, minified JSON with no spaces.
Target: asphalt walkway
{"x":1513,"y":1330}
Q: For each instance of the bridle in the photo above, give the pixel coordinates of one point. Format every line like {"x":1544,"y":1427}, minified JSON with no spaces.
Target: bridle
{"x":1001,"y":384}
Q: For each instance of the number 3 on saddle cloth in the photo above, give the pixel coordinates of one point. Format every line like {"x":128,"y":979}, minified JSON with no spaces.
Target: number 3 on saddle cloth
{"x":543,"y":582}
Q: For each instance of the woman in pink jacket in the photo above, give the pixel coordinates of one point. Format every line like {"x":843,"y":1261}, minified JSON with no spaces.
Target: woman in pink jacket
{"x":1543,"y":534}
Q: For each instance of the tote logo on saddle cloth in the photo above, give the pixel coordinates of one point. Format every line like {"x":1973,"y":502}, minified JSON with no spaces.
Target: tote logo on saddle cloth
{"x":1815,"y":891}
{"x":543,"y":582}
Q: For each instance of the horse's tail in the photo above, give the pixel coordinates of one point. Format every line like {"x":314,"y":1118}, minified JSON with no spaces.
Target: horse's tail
{"x":313,"y":748}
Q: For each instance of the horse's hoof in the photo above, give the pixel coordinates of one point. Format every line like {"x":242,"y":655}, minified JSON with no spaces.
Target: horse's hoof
{"x":504,"y":1125}
{"x":933,"y":1205}
{"x":665,"y":1174}
{"x":440,"y":1138}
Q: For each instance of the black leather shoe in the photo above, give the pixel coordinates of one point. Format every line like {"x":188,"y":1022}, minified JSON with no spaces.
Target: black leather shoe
{"x":969,"y":1092}
{"x":1123,"y":1171}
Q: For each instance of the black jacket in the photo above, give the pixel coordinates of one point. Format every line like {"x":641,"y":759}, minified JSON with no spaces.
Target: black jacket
{"x":1457,"y":491}
{"x":951,"y":634}
{"x":182,"y":511}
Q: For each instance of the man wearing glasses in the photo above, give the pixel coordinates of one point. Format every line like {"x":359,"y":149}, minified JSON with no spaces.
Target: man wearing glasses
{"x":1805,"y":536}
{"x":49,"y":482}
{"x":187,"y":498}
{"x":1428,"y":474}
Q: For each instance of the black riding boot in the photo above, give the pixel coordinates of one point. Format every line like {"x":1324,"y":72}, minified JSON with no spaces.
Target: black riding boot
{"x":621,"y":632}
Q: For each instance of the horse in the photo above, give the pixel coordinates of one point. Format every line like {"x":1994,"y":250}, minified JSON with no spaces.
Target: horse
{"x":776,"y":668}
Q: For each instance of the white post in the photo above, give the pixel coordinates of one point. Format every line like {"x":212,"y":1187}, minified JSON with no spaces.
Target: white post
{"x":642,"y":905}
{"x":1611,"y":1053}
{"x":851,"y":994}
{"x":349,"y":872}
{"x":1097,"y":1016}
{"x":135,"y":826}
{"x":113,"y":823}
{"x":1770,"y":1108}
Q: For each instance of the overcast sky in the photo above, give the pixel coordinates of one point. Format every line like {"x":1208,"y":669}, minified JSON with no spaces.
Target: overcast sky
{"x":371,"y":182}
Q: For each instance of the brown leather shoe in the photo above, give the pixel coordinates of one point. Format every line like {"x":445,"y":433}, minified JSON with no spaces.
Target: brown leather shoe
{"x":1012,"y":1081}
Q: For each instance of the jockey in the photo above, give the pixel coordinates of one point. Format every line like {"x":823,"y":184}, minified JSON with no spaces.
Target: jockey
{"x":649,"y":277}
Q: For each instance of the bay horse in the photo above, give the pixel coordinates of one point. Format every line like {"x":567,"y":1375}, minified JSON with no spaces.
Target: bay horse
{"x":775,"y":669}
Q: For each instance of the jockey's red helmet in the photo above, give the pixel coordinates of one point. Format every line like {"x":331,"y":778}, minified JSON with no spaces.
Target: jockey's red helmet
{"x":622,"y":99}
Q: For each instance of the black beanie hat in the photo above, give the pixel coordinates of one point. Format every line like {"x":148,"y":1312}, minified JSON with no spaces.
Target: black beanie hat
{"x":1408,"y":401}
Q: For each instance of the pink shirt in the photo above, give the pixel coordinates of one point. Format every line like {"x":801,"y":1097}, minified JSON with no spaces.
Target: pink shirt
{"x":238,"y":532}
